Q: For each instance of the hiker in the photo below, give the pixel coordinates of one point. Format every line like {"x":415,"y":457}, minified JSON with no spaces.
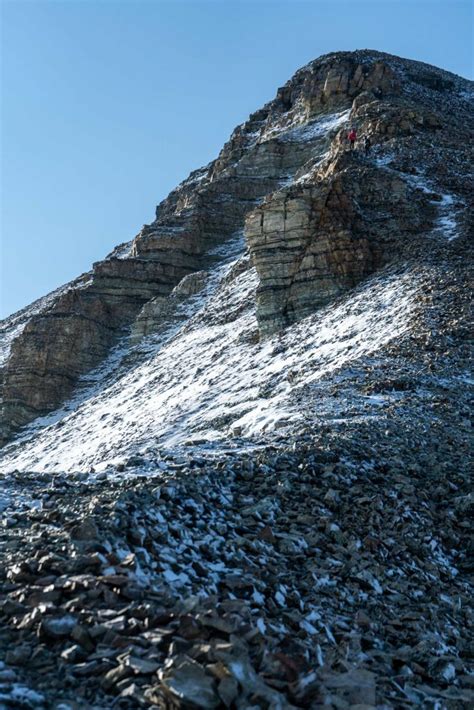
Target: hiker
{"x":367,"y":145}
{"x":352,"y":137}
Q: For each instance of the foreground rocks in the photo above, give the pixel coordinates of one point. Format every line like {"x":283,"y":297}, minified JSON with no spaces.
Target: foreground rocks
{"x":303,"y":575}
{"x":327,"y":565}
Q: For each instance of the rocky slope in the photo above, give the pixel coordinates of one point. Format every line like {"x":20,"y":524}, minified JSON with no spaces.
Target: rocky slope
{"x":242,"y":478}
{"x":338,"y":220}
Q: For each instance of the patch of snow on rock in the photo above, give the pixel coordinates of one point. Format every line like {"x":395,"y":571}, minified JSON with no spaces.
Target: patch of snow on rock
{"x":299,"y":133}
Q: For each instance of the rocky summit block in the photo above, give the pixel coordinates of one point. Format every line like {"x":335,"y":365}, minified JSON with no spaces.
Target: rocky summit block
{"x":313,"y":241}
{"x":317,"y":220}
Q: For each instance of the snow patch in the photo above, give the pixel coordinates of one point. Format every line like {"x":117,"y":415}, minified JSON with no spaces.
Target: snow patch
{"x":446,"y":223}
{"x":302,"y":132}
{"x":315,"y":129}
{"x":209,"y":379}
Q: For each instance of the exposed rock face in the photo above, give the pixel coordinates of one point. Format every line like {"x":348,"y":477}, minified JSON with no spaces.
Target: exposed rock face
{"x":317,"y":220}
{"x":313,"y":241}
{"x":191,"y":284}
{"x":71,"y":336}
{"x":161,"y":308}
{"x":348,"y":214}
{"x":331,"y":83}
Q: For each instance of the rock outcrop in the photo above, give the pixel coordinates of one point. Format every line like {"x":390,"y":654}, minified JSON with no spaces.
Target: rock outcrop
{"x":161,"y":309}
{"x":349,"y":214}
{"x":313,"y":241}
{"x":317,"y":220}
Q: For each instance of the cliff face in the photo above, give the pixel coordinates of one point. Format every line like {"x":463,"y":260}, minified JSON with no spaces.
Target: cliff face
{"x":312,"y":242}
{"x":351,"y":213}
{"x":317,"y":219}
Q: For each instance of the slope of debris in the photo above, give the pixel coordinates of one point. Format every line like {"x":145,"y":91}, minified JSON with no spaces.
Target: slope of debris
{"x":210,"y":380}
{"x":206,"y":380}
{"x":332,"y":571}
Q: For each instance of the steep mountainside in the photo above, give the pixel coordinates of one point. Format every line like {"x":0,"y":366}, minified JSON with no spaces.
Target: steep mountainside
{"x":236,"y":453}
{"x":317,"y":220}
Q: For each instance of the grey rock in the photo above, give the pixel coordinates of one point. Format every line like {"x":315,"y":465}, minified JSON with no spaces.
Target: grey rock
{"x":189,"y":684}
{"x":58,"y":627}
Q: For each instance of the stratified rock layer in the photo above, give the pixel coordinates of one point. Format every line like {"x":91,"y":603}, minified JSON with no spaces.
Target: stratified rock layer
{"x":160,"y":309}
{"x":349,"y":213}
{"x":313,"y":241}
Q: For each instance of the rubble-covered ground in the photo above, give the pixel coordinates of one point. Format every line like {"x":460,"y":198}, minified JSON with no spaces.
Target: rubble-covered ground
{"x":331,"y":572}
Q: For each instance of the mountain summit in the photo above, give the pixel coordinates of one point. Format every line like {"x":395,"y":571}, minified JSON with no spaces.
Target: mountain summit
{"x":236,"y":452}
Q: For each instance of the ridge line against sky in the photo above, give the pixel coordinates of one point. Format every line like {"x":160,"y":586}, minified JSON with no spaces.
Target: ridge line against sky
{"x":107,"y":105}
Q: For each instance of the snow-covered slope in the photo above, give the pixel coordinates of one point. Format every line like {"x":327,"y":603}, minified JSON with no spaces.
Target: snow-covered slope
{"x":209,"y":380}
{"x":318,"y":219}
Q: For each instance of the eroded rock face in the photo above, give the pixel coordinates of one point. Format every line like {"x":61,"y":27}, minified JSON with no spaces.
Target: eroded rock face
{"x":162,"y":309}
{"x":349,"y":213}
{"x":338,"y":79}
{"x":315,"y":240}
{"x":318,"y":221}
{"x":74,"y":334}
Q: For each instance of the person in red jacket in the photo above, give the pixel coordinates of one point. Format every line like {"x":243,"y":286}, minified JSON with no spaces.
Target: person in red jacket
{"x":352,"y":137}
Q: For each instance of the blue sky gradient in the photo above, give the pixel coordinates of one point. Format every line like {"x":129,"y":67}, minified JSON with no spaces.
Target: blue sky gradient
{"x":106,"y":105}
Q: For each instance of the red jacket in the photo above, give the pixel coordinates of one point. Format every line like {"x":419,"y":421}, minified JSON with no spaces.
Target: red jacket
{"x":352,"y":135}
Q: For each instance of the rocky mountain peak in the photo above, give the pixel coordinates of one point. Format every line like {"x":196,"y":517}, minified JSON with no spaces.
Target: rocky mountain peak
{"x":317,"y":218}
{"x":236,"y":470}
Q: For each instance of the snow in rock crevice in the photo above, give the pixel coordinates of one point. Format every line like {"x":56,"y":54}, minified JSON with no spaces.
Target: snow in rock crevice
{"x":307,"y":131}
{"x":448,"y":206}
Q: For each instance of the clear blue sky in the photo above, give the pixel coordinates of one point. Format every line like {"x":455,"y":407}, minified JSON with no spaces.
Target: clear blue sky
{"x":108,"y":104}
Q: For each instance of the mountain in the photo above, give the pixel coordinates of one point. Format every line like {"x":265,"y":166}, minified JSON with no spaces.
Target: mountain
{"x":236,"y":452}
